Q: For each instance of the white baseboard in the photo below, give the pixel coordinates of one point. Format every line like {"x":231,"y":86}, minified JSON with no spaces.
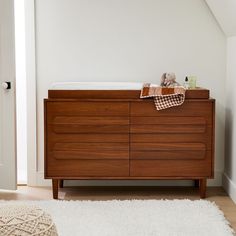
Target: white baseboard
{"x":32,"y":177}
{"x":217,"y":181}
{"x":229,"y":186}
{"x":41,"y":182}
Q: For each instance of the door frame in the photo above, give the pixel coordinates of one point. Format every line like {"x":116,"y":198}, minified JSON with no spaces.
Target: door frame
{"x":31,"y":94}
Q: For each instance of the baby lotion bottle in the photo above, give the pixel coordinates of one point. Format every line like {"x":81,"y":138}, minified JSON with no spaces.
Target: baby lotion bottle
{"x":186,"y":83}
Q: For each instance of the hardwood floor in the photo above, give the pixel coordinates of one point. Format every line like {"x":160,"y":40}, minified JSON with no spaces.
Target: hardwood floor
{"x":215,"y":194}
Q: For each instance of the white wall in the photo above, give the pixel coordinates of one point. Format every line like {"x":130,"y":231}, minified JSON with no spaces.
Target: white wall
{"x":224,"y":12}
{"x":230,"y":125}
{"x":129,"y":40}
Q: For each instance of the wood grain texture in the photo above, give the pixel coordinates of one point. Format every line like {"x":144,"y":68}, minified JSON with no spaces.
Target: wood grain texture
{"x":205,"y":138}
{"x":170,"y":168}
{"x":91,"y":146}
{"x":94,"y":94}
{"x":89,"y":135}
{"x":89,"y":155}
{"x":126,"y":177}
{"x":87,"y":138}
{"x":202,"y":187}
{"x":167,"y":146}
{"x":170,"y":155}
{"x":190,"y":108}
{"x":171,"y":128}
{"x":87,"y":168}
{"x":86,"y":129}
{"x":55,"y":183}
{"x":213,"y":139}
{"x":91,"y":120}
{"x":166,"y":120}
{"x":93,"y":108}
{"x":90,"y":151}
{"x":199,"y":93}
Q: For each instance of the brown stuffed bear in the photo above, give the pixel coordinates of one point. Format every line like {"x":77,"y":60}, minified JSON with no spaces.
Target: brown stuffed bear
{"x":168,"y":80}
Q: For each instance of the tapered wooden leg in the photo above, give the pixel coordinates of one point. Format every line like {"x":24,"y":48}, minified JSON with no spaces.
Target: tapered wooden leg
{"x":196,"y":183}
{"x":202,"y":188}
{"x":61,"y":183}
{"x":55,"y":188}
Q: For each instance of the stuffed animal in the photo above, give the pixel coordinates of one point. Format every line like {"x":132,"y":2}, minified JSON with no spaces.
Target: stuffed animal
{"x":168,"y":80}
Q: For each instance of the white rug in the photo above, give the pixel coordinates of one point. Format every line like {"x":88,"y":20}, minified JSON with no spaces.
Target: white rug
{"x":135,"y":218}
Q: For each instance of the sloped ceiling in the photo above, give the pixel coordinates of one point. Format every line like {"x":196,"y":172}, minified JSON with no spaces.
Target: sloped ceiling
{"x":225,"y":13}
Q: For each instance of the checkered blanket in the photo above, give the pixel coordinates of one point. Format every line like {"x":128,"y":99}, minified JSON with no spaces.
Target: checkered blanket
{"x":164,"y":97}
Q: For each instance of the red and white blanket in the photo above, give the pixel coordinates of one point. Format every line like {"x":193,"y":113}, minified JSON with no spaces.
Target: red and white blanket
{"x":163,"y":97}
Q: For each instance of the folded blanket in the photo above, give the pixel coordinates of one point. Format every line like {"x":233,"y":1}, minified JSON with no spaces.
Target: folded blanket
{"x":164,"y":97}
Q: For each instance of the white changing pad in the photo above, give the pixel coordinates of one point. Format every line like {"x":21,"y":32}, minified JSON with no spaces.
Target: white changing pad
{"x":96,"y":86}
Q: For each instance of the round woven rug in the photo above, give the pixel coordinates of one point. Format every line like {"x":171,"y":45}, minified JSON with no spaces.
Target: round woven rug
{"x":25,"y":220}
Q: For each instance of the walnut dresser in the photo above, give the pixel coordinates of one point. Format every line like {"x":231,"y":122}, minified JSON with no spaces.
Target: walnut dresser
{"x":113,"y":134}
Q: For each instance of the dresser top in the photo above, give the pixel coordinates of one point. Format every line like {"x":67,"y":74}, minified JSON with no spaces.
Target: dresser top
{"x":198,"y":93}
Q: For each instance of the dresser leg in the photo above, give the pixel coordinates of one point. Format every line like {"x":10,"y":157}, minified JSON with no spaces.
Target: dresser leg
{"x":196,"y":183}
{"x":202,"y":187}
{"x":61,"y":183}
{"x":55,"y":188}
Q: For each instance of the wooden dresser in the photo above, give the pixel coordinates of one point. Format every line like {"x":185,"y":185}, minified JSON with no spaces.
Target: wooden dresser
{"x":115,"y":135}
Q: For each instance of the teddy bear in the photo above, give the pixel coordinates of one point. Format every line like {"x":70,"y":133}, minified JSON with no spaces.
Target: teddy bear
{"x":168,"y":80}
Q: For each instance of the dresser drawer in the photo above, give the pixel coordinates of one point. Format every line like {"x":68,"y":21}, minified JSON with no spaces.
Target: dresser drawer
{"x":90,"y":120}
{"x":166,"y":120}
{"x":86,"y":168}
{"x":149,"y":137}
{"x":89,"y":151}
{"x":168,"y":151}
{"x":171,"y":168}
{"x":190,"y":108}
{"x":93,"y":108}
{"x":170,"y":128}
{"x":90,"y":124}
{"x":86,"y":129}
{"x":170,"y":155}
{"x":86,"y":138}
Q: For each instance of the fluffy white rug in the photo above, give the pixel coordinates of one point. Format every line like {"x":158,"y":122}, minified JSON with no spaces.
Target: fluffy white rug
{"x":135,"y":218}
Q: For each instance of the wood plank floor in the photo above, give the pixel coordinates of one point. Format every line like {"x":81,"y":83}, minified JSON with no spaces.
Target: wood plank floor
{"x":215,"y":194}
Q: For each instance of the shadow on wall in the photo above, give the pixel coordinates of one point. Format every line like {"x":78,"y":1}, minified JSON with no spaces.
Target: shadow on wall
{"x":229,"y":127}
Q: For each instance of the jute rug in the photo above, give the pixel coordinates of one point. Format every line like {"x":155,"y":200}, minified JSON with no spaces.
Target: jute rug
{"x":135,"y":218}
